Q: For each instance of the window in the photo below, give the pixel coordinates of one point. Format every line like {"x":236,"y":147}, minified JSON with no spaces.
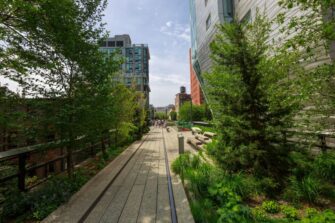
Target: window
{"x":111,"y":43}
{"x":228,"y":10}
{"x":208,"y":22}
{"x":102,"y":44}
{"x":119,"y":43}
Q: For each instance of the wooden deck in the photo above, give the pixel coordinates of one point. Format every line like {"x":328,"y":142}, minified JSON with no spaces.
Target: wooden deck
{"x":133,"y":188}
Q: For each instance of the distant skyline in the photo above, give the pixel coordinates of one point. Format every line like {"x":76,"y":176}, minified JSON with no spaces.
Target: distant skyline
{"x":164,"y":26}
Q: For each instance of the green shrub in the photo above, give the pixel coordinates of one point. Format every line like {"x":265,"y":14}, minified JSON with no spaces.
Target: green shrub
{"x":269,"y":186}
{"x":230,"y":206}
{"x":233,"y":212}
{"x":259,"y":214}
{"x":211,"y":147}
{"x":203,"y":210}
{"x":310,"y":212}
{"x":181,"y":164}
{"x":327,"y":216}
{"x":301,"y":163}
{"x":200,"y":179}
{"x":289,"y":211}
{"x":40,"y":203}
{"x":241,"y":184}
{"x":324,"y":166}
{"x":308,"y":189}
{"x":271,"y":207}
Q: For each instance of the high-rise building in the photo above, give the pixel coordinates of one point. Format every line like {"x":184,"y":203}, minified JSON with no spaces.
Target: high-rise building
{"x":135,"y":70}
{"x":206,"y":14}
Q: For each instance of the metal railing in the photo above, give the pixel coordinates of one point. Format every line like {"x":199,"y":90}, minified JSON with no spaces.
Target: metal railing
{"x":323,"y":140}
{"x":28,"y":160}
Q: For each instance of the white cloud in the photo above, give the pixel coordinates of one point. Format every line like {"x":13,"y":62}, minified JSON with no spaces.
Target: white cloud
{"x":167,"y":74}
{"x":177,"y":30}
{"x":168,"y":24}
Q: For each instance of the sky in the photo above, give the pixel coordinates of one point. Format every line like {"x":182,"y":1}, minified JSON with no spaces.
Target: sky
{"x":164,"y":26}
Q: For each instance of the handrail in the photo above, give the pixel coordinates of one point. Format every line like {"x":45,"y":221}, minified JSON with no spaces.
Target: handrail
{"x":21,"y":154}
{"x":44,"y":146}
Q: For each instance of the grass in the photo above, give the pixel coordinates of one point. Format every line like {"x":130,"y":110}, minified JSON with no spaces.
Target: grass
{"x":206,"y":128}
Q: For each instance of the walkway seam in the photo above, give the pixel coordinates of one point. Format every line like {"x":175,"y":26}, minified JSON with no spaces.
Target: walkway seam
{"x":82,"y":219}
{"x":170,"y":188}
{"x":145,"y":185}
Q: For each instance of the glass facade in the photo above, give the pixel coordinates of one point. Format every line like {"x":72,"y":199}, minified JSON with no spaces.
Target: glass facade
{"x":193,"y":20}
{"x":228,"y":10}
{"x":136,"y":66}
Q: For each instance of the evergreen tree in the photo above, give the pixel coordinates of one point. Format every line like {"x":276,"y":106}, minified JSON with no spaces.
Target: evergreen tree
{"x":254,"y":98}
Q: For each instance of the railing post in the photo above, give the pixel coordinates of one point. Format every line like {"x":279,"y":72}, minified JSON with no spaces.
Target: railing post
{"x":92,"y":149}
{"x":181,"y":143}
{"x":22,"y":171}
{"x":323,"y":142}
{"x":63,"y":159}
{"x":115,"y":137}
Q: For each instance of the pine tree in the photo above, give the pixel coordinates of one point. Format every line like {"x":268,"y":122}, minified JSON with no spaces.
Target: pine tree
{"x":253,"y":98}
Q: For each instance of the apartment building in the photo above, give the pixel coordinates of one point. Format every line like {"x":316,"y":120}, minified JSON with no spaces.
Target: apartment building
{"x":135,"y":70}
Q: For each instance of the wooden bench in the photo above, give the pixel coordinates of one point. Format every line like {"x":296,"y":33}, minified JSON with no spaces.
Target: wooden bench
{"x":210,"y":134}
{"x":196,"y":130}
{"x":203,"y":139}
{"x":194,"y":142}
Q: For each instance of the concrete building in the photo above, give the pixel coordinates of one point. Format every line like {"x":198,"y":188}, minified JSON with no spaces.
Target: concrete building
{"x":181,"y":98}
{"x":135,"y":70}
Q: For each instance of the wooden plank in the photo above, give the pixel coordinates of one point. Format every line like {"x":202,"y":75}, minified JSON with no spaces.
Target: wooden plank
{"x":114,"y":210}
{"x":82,"y":201}
{"x":131,"y":209}
{"x":147,"y":213}
{"x":105,"y":202}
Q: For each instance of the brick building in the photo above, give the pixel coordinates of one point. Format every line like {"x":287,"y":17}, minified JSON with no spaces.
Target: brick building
{"x":196,"y":91}
{"x":181,"y":98}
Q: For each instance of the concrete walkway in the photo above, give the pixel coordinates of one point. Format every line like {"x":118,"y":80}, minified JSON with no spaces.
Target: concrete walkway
{"x":133,"y":188}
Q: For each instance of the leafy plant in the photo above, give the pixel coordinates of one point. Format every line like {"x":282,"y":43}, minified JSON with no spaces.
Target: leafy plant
{"x":40,"y":203}
{"x":327,"y":216}
{"x":310,"y":212}
{"x":259,"y":214}
{"x":290,"y":212}
{"x":271,"y":207}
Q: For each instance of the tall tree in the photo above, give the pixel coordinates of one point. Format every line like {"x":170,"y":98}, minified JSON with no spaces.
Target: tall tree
{"x":51,"y":51}
{"x":253,"y":96}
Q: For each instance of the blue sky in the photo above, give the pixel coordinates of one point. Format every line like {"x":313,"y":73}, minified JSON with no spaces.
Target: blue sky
{"x":164,"y":25}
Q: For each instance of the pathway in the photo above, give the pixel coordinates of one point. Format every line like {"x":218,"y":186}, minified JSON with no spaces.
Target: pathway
{"x":133,"y":188}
